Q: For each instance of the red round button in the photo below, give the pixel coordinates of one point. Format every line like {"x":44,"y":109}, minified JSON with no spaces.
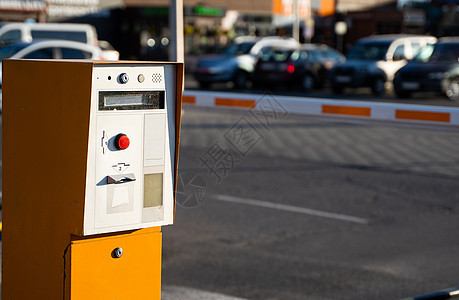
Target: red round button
{"x":122,"y":141}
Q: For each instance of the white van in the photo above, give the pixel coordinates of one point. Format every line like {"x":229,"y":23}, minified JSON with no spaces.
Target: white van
{"x":27,"y":32}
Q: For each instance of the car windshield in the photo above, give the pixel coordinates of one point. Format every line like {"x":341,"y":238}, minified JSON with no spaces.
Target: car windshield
{"x":78,"y":36}
{"x":306,"y":55}
{"x":275,"y":54}
{"x":442,"y":52}
{"x":424,"y":54}
{"x":239,"y":49}
{"x":369,"y":51}
{"x":10,"y":50}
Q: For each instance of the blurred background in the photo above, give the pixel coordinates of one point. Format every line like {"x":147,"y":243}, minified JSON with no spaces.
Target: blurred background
{"x":229,"y":41}
{"x":138,"y":29}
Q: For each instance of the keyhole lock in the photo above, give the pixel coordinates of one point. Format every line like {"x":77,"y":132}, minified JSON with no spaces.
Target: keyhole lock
{"x":117,"y":252}
{"x":123,"y":78}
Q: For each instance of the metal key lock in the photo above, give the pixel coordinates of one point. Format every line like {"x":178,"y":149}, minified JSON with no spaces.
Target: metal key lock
{"x":117,"y":252}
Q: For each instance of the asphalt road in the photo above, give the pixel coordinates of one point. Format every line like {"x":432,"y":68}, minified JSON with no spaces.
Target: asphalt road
{"x":313,"y":208}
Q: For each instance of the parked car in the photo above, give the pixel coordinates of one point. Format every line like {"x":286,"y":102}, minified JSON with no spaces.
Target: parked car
{"x":49,"y":49}
{"x":28,"y":32}
{"x":373,"y":61}
{"x":434,"y":69}
{"x":237,"y":61}
{"x":306,"y":66}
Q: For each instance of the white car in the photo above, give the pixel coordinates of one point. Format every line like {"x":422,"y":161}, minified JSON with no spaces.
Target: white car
{"x":50,"y":49}
{"x":28,"y":32}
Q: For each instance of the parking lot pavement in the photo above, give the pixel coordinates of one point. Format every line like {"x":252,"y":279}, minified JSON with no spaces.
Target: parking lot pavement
{"x":417,"y":148}
{"x":180,"y":293}
{"x":319,"y":208}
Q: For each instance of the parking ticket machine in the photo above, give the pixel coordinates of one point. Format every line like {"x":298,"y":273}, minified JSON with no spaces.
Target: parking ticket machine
{"x":90,"y":164}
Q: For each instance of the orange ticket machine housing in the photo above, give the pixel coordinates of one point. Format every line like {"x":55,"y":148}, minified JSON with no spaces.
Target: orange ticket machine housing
{"x":90,"y":152}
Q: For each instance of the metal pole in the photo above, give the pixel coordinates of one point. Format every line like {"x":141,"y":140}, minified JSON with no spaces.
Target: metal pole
{"x":296,"y":20}
{"x":176,"y":46}
{"x":309,"y":22}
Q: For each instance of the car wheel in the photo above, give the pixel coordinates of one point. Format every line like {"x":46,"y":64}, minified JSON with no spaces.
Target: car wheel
{"x":257,"y":84}
{"x":452,"y":89}
{"x":378,"y":87}
{"x":337,"y":89}
{"x":402,"y":94}
{"x":204,"y":84}
{"x":241,"y":79}
{"x":307,"y":82}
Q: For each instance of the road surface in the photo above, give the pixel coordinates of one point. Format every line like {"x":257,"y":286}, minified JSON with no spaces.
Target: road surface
{"x":313,"y":208}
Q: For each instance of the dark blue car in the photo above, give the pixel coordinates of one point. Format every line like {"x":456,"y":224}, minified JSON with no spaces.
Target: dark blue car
{"x":434,"y":69}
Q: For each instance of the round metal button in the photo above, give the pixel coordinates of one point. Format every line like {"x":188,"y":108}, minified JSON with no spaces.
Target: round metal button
{"x":141,"y":78}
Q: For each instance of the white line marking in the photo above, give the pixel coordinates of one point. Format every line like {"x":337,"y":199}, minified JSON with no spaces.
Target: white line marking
{"x":290,"y":208}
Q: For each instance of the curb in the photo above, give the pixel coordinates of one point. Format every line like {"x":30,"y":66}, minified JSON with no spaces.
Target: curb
{"x":393,"y":112}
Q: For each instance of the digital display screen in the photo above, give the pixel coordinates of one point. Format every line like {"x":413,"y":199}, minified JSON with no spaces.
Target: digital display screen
{"x":131,"y":100}
{"x":118,"y":100}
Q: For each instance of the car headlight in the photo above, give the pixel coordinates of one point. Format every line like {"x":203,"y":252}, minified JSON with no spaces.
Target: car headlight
{"x":436,"y":75}
{"x":222,"y":67}
{"x":216,"y":69}
{"x":377,"y":68}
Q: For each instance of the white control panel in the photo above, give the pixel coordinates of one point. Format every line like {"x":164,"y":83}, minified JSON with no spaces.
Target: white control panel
{"x":131,"y":148}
